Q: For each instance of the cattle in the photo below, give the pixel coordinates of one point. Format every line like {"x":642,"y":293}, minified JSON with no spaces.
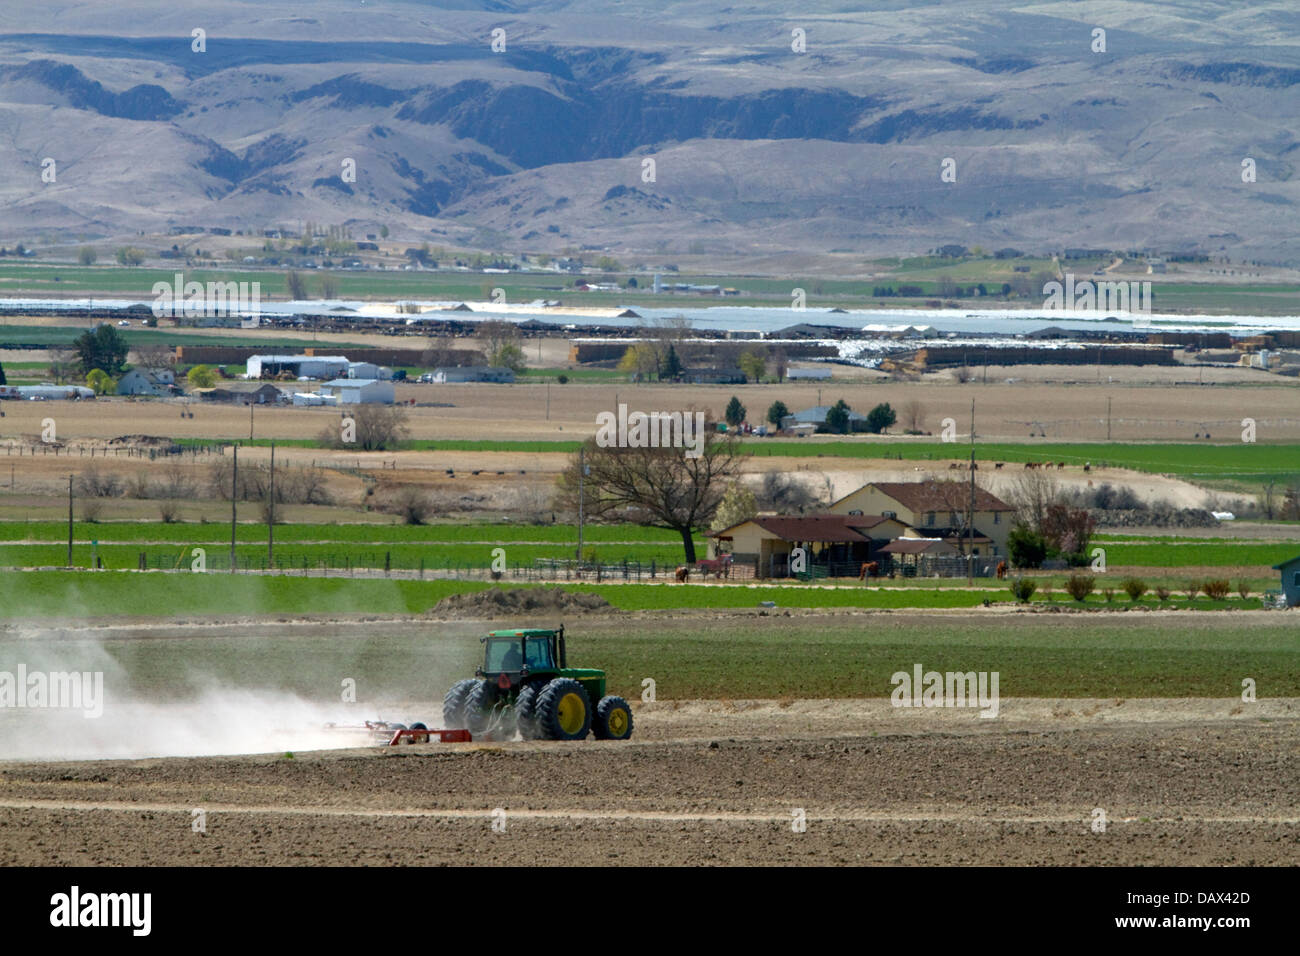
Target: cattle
{"x":997,"y":466}
{"x":683,"y":572}
{"x":1060,"y":465}
{"x":869,"y":569}
{"x":1002,"y":570}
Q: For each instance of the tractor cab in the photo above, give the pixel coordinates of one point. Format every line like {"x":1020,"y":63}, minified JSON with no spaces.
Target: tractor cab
{"x":520,"y":654}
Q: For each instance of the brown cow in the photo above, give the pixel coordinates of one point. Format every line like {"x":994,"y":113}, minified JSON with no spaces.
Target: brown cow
{"x":683,"y":572}
{"x":869,"y":569}
{"x":1002,"y":570}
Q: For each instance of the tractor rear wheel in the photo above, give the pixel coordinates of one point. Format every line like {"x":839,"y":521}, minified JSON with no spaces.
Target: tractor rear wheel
{"x":453,"y":705}
{"x":526,"y":711}
{"x":419,"y":738}
{"x":613,"y":719}
{"x":563,"y":710}
{"x":478,"y":706}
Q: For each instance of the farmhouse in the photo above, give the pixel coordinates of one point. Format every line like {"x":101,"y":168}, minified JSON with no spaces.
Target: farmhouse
{"x":1290,"y":580}
{"x":144,"y":382}
{"x":817,"y":416}
{"x":836,"y":544}
{"x":937,"y":509}
{"x":266,"y":394}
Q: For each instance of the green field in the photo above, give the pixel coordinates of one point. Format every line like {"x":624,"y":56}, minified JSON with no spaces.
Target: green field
{"x":126,"y":531}
{"x":43,"y":279}
{"x":117,"y":544}
{"x":736,"y":658}
{"x":1223,"y":462}
{"x":79,"y":593}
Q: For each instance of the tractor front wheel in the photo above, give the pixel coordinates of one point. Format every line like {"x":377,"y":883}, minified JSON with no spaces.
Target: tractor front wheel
{"x":563,"y":710}
{"x":613,"y":719}
{"x":453,"y":705}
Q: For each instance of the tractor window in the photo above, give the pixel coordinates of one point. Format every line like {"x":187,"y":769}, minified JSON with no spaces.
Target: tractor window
{"x":539,"y":653}
{"x":503,"y":656}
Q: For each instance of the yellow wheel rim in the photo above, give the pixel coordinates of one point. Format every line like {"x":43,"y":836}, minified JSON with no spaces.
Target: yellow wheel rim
{"x":572,"y":713}
{"x":617,"y":722}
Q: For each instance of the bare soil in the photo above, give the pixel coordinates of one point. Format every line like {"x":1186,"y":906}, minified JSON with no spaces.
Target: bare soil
{"x":710,"y":783}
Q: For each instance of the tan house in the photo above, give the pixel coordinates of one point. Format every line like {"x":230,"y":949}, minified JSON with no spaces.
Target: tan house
{"x":838,"y":543}
{"x":936,"y":509}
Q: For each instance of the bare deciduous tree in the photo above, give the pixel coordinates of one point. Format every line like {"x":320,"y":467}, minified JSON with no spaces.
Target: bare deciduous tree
{"x":914,"y":415}
{"x":1031,"y":495}
{"x":655,"y":487}
{"x":374,"y":428}
{"x":782,"y":492}
{"x":63,"y":365}
{"x":156,"y":357}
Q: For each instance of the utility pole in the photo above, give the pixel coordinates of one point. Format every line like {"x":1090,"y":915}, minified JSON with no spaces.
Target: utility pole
{"x":970,"y":519}
{"x":582,"y":472}
{"x":270,"y":515}
{"x":234,"y":493}
{"x":251,"y":405}
{"x":548,"y":401}
{"x":1107,"y":418}
{"x":69,"y":521}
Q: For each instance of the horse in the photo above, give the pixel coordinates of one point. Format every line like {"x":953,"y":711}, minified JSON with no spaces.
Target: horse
{"x":869,"y":569}
{"x":1002,"y":570}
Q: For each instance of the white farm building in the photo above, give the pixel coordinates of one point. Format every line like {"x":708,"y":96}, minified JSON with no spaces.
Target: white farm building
{"x":299,"y":366}
{"x":359,"y":391}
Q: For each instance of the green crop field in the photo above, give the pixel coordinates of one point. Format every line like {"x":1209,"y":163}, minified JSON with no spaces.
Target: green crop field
{"x":37,"y":594}
{"x":724,"y":658}
{"x":433,"y":556}
{"x":45,"y":279}
{"x":218,"y":532}
{"x":1193,"y":552}
{"x":117,"y":545}
{"x":1244,"y":462}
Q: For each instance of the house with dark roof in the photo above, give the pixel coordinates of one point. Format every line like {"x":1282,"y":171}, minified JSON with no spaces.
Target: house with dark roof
{"x":937,"y":509}
{"x":839,"y":544}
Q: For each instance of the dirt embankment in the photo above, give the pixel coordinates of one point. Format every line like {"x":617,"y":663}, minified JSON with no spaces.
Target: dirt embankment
{"x":506,"y":602}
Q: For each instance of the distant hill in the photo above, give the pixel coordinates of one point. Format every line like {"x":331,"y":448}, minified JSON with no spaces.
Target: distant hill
{"x":755,"y":149}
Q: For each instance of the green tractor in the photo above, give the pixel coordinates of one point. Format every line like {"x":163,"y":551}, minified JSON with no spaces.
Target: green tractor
{"x":525,"y":684}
